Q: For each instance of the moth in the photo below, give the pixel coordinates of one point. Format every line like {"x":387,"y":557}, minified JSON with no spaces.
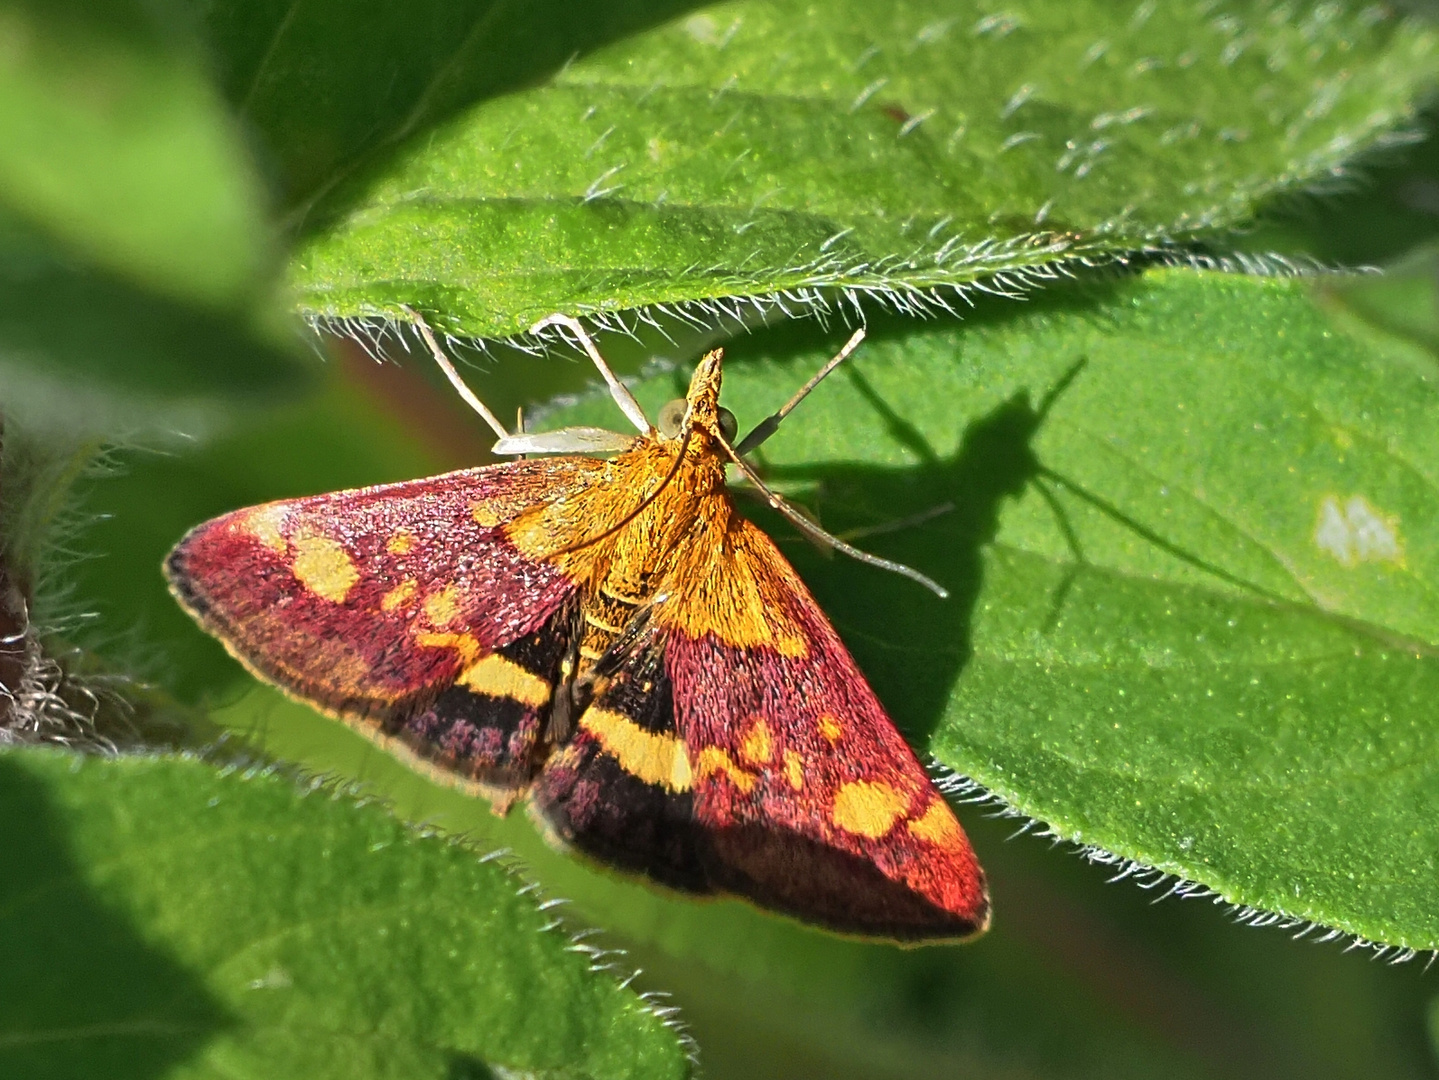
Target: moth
{"x":603,"y":633}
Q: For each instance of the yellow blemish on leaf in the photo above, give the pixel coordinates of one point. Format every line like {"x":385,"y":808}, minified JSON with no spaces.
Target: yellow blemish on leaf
{"x":323,"y":566}
{"x":653,"y":758}
{"x":501,"y":678}
{"x":402,"y":543}
{"x":794,"y":770}
{"x":830,"y":728}
{"x":467,"y":645}
{"x":483,"y":515}
{"x":443,"y":607}
{"x":757,"y":746}
{"x":937,"y":825}
{"x":1357,"y":532}
{"x":265,"y":524}
{"x":399,"y":596}
{"x":713,"y":762}
{"x":868,"y":807}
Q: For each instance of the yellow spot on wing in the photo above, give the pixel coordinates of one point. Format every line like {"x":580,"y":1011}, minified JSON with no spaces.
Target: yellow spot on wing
{"x":794,"y":769}
{"x":498,"y":677}
{"x":868,"y":807}
{"x":443,"y":607}
{"x":713,"y":761}
{"x":938,"y":826}
{"x":399,"y":596}
{"x":402,"y":543}
{"x":265,"y":523}
{"x":756,"y":747}
{"x":467,"y":645}
{"x":324,"y":567}
{"x":654,"y":758}
{"x":483,"y":515}
{"x":830,"y":728}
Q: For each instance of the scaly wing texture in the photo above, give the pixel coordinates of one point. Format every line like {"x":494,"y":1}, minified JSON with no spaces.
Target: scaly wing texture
{"x":814,"y":800}
{"x":742,"y":751}
{"x":620,"y":789}
{"x":403,"y":608}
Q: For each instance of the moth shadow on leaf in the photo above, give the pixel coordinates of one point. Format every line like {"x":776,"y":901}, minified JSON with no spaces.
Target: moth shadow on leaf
{"x":937,"y":516}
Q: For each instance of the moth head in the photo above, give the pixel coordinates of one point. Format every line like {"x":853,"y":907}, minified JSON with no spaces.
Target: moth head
{"x":700,"y":408}
{"x":671,"y":420}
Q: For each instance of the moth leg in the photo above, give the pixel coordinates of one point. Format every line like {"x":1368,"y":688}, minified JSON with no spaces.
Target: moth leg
{"x":810,"y":529}
{"x":466,"y":394}
{"x":894,"y":525}
{"x":623,"y":398}
{"x":567,"y":704}
{"x":573,"y":440}
{"x":581,"y":690}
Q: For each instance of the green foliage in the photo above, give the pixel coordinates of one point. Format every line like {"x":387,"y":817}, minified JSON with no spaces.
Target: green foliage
{"x":1194,"y":572}
{"x":162,"y":917}
{"x":135,"y":258}
{"x":1192,"y":540}
{"x":784,"y":147}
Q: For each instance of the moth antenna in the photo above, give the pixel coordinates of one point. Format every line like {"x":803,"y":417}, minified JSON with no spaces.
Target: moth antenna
{"x":768,"y":426}
{"x":466,"y":394}
{"x":811,"y":529}
{"x":651,"y":497}
{"x":618,"y":390}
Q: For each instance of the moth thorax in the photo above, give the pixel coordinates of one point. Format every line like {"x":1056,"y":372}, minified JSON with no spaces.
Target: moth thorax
{"x":672,"y":418}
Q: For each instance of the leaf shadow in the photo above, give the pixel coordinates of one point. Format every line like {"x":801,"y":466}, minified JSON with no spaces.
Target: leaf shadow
{"x":460,"y":1066}
{"x":910,"y":644}
{"x":333,"y":90}
{"x":85,"y":994}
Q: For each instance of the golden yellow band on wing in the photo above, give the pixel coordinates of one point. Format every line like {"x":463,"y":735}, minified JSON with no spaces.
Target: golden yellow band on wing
{"x":498,"y":677}
{"x":653,"y":758}
{"x":714,"y":761}
{"x":467,"y":645}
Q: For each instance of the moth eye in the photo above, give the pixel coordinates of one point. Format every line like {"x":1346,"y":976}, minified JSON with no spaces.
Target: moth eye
{"x":671,"y":417}
{"x":728,"y":425}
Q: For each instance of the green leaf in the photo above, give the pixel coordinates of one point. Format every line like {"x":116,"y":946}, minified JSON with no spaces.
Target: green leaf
{"x":760,"y":991}
{"x":756,"y":148}
{"x":1036,"y":997}
{"x":88,"y":352}
{"x":136,"y":267}
{"x":113,"y":142}
{"x":1403,"y":301}
{"x":1195,"y":566}
{"x":163,"y":917}
{"x":330,"y":86}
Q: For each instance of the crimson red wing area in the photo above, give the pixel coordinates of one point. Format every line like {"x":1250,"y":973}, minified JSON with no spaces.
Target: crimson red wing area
{"x":812,"y":801}
{"x":367,"y":601}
